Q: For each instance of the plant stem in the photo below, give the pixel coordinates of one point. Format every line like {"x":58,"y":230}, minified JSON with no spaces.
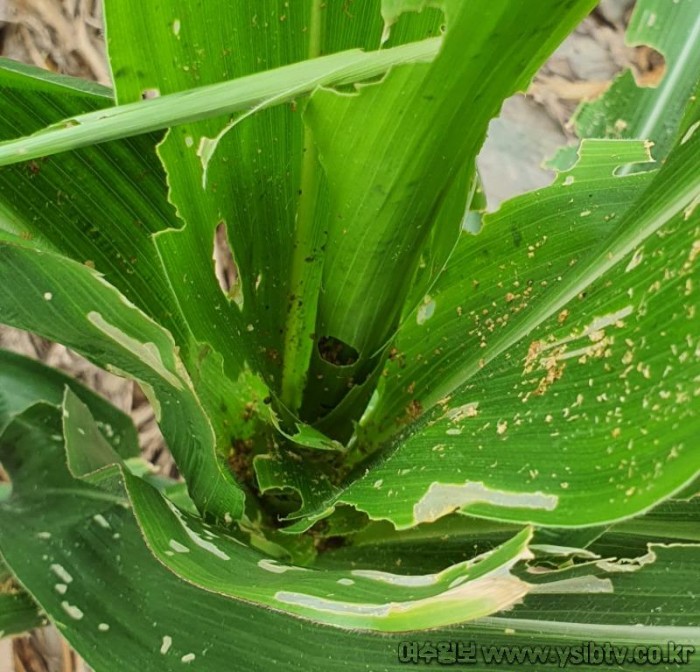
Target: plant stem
{"x":306,"y":267}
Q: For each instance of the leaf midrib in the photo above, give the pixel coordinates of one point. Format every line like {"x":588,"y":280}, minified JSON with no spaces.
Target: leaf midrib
{"x":295,"y":358}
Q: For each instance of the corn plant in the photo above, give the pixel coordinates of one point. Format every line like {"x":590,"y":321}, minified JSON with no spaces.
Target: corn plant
{"x":395,"y":411}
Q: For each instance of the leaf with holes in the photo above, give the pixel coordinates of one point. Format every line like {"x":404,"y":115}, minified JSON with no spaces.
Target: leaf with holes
{"x":390,"y":410}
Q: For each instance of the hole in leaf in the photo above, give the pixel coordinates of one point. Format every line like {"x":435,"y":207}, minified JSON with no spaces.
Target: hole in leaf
{"x":336,"y":352}
{"x":225,"y":266}
{"x":5,"y":485}
{"x":650,"y":66}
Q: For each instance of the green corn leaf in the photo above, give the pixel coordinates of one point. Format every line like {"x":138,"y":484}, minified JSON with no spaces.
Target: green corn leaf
{"x":24,"y":382}
{"x":397,"y":412}
{"x":286,"y":471}
{"x":255,"y":194}
{"x":107,"y":207}
{"x":628,"y":110}
{"x":187,"y":538}
{"x":137,"y":630}
{"x":98,"y":206}
{"x":673,"y":521}
{"x":578,"y":332}
{"x":565,"y":220}
{"x":349,"y":599}
{"x":369,"y":600}
{"x":255,"y":92}
{"x":379,"y":145}
{"x":422,"y":549}
{"x":652,"y":567}
{"x":71,"y":303}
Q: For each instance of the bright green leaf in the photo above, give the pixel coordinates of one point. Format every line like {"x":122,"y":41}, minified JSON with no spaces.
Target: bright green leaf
{"x":651,"y":112}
